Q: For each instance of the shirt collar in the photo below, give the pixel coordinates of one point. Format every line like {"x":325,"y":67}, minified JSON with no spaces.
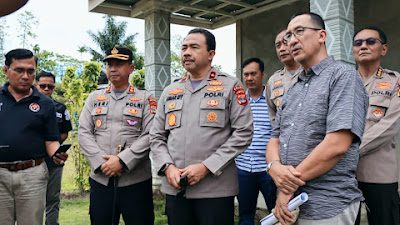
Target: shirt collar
{"x":4,"y":90}
{"x":317,"y":68}
{"x":261,"y":96}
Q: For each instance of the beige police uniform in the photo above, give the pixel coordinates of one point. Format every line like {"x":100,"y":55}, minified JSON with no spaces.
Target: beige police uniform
{"x":211,"y":125}
{"x":107,"y":121}
{"x":278,"y":84}
{"x":378,"y":156}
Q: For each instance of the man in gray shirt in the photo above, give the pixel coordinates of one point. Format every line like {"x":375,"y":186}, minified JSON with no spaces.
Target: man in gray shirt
{"x":317,"y":132}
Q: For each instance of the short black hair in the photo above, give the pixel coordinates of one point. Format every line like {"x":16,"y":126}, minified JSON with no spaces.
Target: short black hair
{"x":382,"y":34}
{"x":315,"y":19}
{"x":256,"y":60}
{"x":19,"y":53}
{"x":280,"y":31}
{"x":210,"y":38}
{"x":43,"y":73}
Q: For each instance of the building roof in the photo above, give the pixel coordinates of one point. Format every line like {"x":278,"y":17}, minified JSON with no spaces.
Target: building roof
{"x":208,"y":14}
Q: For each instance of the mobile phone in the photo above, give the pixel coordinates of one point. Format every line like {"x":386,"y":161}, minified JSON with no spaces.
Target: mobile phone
{"x":62,"y":148}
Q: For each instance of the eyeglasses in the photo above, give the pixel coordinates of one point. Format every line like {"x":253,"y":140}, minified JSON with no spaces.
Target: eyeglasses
{"x":369,"y":41}
{"x":298,"y":32}
{"x":20,"y":71}
{"x":49,"y":86}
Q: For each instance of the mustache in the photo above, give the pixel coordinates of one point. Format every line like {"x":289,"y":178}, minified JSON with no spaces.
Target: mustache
{"x":295,"y":47}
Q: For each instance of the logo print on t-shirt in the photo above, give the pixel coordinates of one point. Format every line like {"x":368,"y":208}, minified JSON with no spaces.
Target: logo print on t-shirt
{"x":34,"y":107}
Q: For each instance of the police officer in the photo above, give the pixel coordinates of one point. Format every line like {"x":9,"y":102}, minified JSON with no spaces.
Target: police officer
{"x":114,"y":136}
{"x":377,"y":171}
{"x":202,"y":123}
{"x":283,"y":79}
{"x":45,"y":82}
{"x":29,"y":133}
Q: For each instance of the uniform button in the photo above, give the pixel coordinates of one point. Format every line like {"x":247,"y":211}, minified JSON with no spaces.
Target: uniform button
{"x":299,"y":104}
{"x":306,"y":85}
{"x":292,"y":124}
{"x":285,"y":145}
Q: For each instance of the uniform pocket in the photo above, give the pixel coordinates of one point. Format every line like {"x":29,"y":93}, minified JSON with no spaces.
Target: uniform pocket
{"x":173,"y":114}
{"x":377,"y":107}
{"x":99,"y":116}
{"x":132,"y":118}
{"x":212,"y":112}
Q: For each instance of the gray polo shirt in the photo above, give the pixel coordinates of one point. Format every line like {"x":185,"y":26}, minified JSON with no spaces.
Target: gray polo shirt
{"x":330,"y":97}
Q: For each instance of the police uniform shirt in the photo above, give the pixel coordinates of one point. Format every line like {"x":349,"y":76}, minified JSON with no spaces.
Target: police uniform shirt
{"x":107,"y":122}
{"x":378,"y":155}
{"x":278,"y":84}
{"x":26,"y":125}
{"x":211,"y":124}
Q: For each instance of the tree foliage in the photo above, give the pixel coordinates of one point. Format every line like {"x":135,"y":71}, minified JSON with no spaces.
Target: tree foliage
{"x":137,"y":79}
{"x":27,"y":22}
{"x":76,"y":89}
{"x":113,"y":34}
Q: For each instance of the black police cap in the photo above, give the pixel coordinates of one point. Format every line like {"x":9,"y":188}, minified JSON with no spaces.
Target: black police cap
{"x":119,"y":53}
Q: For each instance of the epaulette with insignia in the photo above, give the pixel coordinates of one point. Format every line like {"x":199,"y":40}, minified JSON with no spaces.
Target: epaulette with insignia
{"x":212,"y":75}
{"x":108,"y":89}
{"x":184,"y":78}
{"x":131,"y":89}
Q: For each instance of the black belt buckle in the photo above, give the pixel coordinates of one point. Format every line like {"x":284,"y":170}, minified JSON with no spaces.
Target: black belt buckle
{"x":183,"y":182}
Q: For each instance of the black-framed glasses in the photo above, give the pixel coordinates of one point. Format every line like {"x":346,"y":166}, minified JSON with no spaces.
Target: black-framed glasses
{"x":183,"y":182}
{"x":21,"y":71}
{"x":369,"y":41}
{"x":49,"y":86}
{"x":298,"y":32}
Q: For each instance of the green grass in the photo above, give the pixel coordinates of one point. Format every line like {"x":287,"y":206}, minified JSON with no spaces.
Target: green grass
{"x":68,"y":176}
{"x":74,"y":211}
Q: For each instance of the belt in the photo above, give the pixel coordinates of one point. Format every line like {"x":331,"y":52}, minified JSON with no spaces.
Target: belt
{"x":21,"y":165}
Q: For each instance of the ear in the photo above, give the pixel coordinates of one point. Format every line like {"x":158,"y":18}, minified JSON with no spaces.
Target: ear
{"x":131,"y":68}
{"x":384,"y":49}
{"x":264,"y":75}
{"x":211,"y":55}
{"x":5,"y":69}
{"x":322,"y":36}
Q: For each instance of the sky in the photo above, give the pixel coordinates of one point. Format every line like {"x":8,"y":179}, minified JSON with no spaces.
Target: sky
{"x":63,"y":26}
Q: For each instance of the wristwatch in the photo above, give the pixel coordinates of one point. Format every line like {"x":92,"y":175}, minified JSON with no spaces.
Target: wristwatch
{"x":270,"y":164}
{"x":164,"y":167}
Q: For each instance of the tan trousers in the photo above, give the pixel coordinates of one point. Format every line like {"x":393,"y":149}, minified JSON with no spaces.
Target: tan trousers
{"x":23,"y":195}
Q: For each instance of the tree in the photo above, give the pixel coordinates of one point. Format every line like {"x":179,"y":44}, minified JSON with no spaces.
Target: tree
{"x":137,"y":79}
{"x":27,"y":22}
{"x":3,"y":30}
{"x":113,"y":34}
{"x":82,"y":49}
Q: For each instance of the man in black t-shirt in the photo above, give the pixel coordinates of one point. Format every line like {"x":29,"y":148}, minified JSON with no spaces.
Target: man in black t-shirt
{"x":28,"y":134}
{"x":45,"y":83}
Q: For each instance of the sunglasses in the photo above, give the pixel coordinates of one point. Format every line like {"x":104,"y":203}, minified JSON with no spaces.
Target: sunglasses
{"x":369,"y":41}
{"x":49,"y":86}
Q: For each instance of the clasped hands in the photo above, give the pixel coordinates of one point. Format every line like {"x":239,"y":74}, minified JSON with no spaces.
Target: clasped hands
{"x":287,"y":180}
{"x":195,"y":173}
{"x":112,"y":167}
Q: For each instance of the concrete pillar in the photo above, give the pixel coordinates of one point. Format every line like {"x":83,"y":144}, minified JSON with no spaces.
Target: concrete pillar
{"x":157,"y":51}
{"x":339,"y":23}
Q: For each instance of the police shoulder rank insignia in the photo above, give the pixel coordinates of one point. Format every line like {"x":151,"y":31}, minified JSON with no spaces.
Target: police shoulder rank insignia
{"x":132,"y":111}
{"x":135,"y":99}
{"x":98,"y":122}
{"x":108,"y":89}
{"x":276,"y":94}
{"x":215,"y":83}
{"x":153,"y":105}
{"x":131,"y":89}
{"x":171,"y":120}
{"x":172,"y":105}
{"x":101,"y":98}
{"x":214,"y":88}
{"x":34,"y":107}
{"x":176,"y":91}
{"x":377,"y":113}
{"x":213,"y":75}
{"x":212,"y":116}
{"x":132,"y":122}
{"x":277,"y":83}
{"x":241,"y":95}
{"x":212,"y":102}
{"x":184,"y":77}
{"x":98,"y":110}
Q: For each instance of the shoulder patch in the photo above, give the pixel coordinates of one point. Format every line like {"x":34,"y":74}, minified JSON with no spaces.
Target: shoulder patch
{"x":241,"y":95}
{"x":153,"y":105}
